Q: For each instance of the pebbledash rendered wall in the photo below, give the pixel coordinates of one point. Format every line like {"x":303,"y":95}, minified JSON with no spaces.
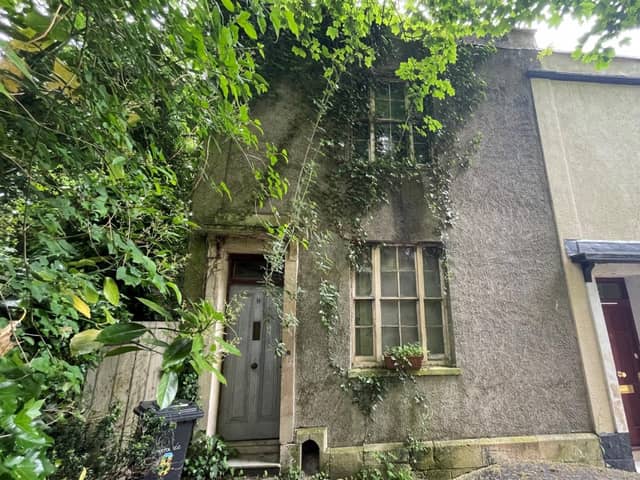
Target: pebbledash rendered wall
{"x":520,"y":390}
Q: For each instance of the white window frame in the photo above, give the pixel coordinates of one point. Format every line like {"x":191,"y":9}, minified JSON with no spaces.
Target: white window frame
{"x":377,"y":358}
{"x":372,"y":120}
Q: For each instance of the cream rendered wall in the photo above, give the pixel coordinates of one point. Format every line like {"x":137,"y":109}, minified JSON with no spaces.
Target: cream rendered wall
{"x":590,"y":134}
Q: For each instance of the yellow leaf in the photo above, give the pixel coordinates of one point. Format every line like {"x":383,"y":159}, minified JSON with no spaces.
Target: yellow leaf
{"x":81,"y":306}
{"x":27,"y":46}
{"x":64,"y":74}
{"x":10,"y":84}
{"x":133,"y":118}
{"x":62,"y":78}
{"x":83,"y":474}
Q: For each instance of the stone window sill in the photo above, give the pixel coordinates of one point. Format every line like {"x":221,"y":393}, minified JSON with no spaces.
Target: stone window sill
{"x":422,"y":372}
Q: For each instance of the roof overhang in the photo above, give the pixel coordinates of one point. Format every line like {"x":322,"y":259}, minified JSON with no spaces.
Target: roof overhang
{"x":588,"y":253}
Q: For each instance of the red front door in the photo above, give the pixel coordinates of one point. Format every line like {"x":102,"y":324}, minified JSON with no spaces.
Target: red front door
{"x":626,"y":351}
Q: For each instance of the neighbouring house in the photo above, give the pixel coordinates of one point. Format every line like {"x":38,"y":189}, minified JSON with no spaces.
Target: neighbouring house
{"x":589,"y":124}
{"x":509,"y":306}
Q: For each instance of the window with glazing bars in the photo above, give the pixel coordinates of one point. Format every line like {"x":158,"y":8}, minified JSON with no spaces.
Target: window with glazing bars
{"x":388,"y":130}
{"x":399,"y":298}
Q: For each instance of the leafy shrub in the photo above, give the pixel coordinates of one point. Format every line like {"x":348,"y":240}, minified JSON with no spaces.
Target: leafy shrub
{"x":388,"y":469}
{"x":22,"y":431}
{"x":84,"y":444}
{"x":207,"y":459}
{"x":402,"y":352}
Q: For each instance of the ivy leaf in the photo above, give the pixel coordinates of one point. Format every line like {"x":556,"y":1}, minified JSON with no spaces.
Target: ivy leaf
{"x":121,"y":333}
{"x":167,"y":389}
{"x":81,"y":306}
{"x":111,"y":292}
{"x":85,"y":342}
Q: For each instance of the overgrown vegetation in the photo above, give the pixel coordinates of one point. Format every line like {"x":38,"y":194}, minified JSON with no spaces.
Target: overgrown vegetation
{"x":207,"y":459}
{"x":108,"y":113}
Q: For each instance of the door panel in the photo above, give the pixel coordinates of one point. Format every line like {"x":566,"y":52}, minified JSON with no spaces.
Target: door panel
{"x":626,"y":351}
{"x":250,"y":402}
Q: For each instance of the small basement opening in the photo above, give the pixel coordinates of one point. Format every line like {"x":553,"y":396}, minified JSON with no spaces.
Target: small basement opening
{"x":310,"y":457}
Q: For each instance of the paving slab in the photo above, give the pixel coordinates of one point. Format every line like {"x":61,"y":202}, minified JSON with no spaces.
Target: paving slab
{"x":548,"y":471}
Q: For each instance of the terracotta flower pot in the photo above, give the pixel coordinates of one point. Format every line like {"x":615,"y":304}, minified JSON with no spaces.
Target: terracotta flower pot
{"x":415,"y":362}
{"x":411,"y":363}
{"x":389,"y":362}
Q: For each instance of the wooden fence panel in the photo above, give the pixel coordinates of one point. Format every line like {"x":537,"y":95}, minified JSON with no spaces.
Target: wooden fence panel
{"x":125,"y":380}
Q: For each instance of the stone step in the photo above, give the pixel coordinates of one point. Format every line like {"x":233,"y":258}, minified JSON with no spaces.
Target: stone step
{"x":259,"y":450}
{"x":254,"y":468}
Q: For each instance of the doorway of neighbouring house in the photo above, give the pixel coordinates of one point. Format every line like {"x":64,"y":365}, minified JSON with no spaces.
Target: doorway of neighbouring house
{"x":250,"y":401}
{"x":623,"y":336}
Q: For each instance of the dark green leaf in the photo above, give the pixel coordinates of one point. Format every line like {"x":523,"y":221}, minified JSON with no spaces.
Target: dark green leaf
{"x":156,"y":308}
{"x":177,"y":352}
{"x":121,"y":333}
{"x":120,"y":350}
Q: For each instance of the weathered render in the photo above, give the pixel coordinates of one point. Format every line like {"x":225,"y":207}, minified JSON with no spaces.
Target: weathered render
{"x":514,"y":383}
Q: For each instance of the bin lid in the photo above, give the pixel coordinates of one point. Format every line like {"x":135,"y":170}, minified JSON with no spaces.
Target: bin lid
{"x":179,"y":411}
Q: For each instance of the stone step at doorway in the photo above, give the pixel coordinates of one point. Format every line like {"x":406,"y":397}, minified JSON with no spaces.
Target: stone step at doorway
{"x":254,"y":468}
{"x":256,"y":458}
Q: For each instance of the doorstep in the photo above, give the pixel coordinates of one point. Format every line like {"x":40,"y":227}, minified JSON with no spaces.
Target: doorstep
{"x":253,"y":468}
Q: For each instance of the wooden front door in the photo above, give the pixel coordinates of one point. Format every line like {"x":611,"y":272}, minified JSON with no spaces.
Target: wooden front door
{"x":626,"y":351}
{"x":250,"y":402}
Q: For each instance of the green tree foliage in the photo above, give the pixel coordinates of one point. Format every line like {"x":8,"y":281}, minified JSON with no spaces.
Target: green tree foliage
{"x":108,"y":111}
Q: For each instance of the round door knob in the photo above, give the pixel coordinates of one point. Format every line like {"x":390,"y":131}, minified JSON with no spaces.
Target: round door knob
{"x":254,"y":365}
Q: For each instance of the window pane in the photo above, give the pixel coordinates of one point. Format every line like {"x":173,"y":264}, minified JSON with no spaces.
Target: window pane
{"x":420,"y":150}
{"x":388,"y":259}
{"x":409,"y":335}
{"x":396,"y":91}
{"x":389,"y":312}
{"x":363,"y":284}
{"x":408,"y":284}
{"x":409,"y":313}
{"x":361,"y":139}
{"x":435,"y":341}
{"x":382,"y":101}
{"x":431,"y":275}
{"x":384,"y":138}
{"x":389,"y":284}
{"x":390,"y":337}
{"x":364,"y":342}
{"x":364,"y":312}
{"x":433,"y":311}
{"x":406,"y":258}
{"x":398,"y":110}
{"x":611,"y":291}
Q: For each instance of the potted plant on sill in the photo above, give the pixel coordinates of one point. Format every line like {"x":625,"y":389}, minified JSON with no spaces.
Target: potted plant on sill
{"x":402,"y":357}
